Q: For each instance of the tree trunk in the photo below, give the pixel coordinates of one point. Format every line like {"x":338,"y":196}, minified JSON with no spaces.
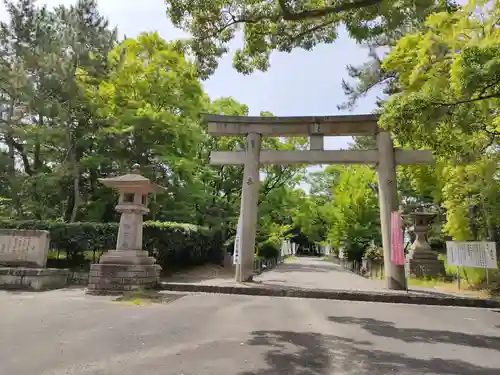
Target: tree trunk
{"x":76,"y":193}
{"x":37,"y":161}
{"x":9,"y":139}
{"x":11,"y":155}
{"x":37,"y":166}
{"x":73,"y":158}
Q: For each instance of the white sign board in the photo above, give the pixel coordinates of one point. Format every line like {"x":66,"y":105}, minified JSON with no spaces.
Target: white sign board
{"x":472,"y":254}
{"x":237,"y":244}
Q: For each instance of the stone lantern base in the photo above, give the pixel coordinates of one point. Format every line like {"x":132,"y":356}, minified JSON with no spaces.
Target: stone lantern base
{"x":424,"y":263}
{"x":121,"y":271}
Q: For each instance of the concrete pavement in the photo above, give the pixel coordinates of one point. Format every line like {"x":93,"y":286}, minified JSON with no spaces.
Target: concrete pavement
{"x":66,"y":332}
{"x":314,"y":278}
{"x":302,"y":272}
{"x":314,"y":273}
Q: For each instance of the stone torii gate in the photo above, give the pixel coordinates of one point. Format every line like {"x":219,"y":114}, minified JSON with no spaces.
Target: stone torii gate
{"x":385,"y":158}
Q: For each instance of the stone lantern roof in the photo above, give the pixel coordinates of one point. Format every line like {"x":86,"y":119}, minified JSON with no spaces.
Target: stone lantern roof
{"x":132,"y":181}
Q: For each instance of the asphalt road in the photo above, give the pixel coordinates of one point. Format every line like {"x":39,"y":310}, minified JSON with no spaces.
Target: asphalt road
{"x":69,"y":333}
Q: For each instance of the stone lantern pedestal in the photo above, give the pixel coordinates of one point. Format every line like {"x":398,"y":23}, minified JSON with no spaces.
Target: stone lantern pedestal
{"x":128,"y":267}
{"x":422,"y":261}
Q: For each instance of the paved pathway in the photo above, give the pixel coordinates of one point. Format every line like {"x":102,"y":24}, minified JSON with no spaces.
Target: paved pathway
{"x":68,"y":333}
{"x":299,"y":272}
{"x":314,"y":273}
{"x":302,"y":272}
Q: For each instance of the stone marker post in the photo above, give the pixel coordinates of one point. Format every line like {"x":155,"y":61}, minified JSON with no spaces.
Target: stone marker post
{"x":23,"y":261}
{"x":24,"y":248}
{"x":128,"y":267}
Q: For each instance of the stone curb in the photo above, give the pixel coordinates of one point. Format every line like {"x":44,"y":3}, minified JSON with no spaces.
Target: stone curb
{"x":99,"y":292}
{"x":342,"y":295}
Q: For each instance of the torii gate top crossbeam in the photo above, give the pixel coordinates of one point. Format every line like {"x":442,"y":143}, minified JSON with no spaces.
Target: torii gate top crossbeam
{"x":353,"y":125}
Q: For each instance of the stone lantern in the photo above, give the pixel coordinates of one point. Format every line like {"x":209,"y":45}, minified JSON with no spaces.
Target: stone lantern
{"x":422,"y":261}
{"x":128,"y":267}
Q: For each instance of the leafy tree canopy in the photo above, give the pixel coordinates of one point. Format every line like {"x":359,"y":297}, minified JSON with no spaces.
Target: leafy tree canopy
{"x":282,"y":25}
{"x":448,"y":76}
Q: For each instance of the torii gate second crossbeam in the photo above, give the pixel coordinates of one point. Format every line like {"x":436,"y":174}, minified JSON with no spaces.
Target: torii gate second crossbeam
{"x":385,"y":157}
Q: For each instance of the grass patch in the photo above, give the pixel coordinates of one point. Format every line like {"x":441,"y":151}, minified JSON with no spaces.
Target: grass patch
{"x":448,"y":286}
{"x":468,"y":275}
{"x":88,"y":255}
{"x":290,"y":259}
{"x":428,"y":282}
{"x":141,"y":298}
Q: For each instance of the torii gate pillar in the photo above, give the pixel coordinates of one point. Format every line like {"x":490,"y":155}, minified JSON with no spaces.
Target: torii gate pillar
{"x":388,"y":202}
{"x":249,"y":207}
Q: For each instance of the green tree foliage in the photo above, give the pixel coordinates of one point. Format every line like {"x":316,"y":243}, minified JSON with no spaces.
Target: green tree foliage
{"x":341,"y":208}
{"x":449,"y":77}
{"x":225,"y":181}
{"x":441,"y":80}
{"x":471,"y":199}
{"x":46,"y":119}
{"x":283,"y":25}
{"x":76,"y":105}
{"x":371,"y":74}
{"x":312,"y":217}
{"x":149,"y":106}
{"x":354,"y":212}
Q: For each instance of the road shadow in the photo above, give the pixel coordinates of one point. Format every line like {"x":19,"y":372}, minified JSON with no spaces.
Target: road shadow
{"x":304,"y":353}
{"x":414,"y":335}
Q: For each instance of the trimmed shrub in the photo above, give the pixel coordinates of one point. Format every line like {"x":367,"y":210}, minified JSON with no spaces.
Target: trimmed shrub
{"x":268,"y":250}
{"x":437,"y":244}
{"x":374,"y":253}
{"x":174,"y":245}
{"x":354,"y":250}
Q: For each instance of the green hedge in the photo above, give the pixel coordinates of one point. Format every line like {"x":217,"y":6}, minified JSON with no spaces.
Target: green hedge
{"x":268,"y":250}
{"x":374,"y":253}
{"x":174,"y":245}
